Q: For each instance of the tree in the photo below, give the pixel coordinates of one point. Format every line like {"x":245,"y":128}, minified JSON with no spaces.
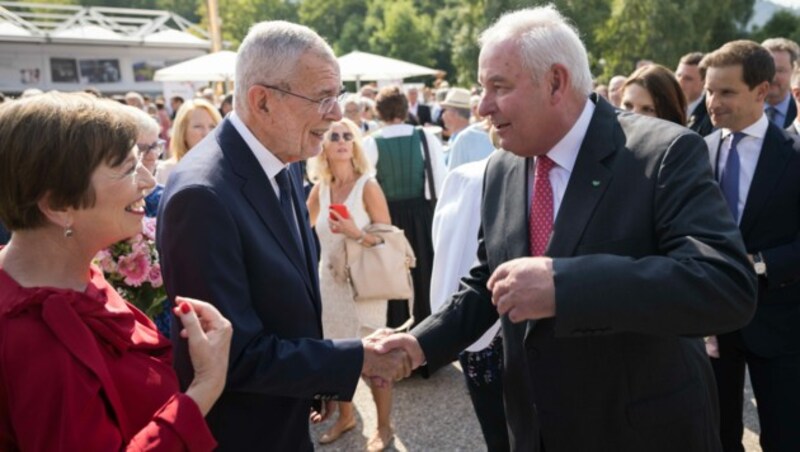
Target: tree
{"x":237,"y":16}
{"x":398,"y":31}
{"x":340,"y":22}
{"x":783,"y":24}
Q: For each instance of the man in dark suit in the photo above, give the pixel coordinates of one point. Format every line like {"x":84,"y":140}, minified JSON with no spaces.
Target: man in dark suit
{"x":691,"y":81}
{"x":606,"y":276}
{"x":758,"y":166}
{"x":778,"y":104}
{"x":233,"y":229}
{"x":418,"y":114}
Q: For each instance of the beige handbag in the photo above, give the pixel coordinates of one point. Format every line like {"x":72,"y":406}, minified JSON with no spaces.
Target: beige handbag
{"x":383,"y":271}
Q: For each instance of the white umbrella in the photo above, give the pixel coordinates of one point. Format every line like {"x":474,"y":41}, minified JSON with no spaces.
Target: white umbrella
{"x":358,"y":66}
{"x":214,"y":67}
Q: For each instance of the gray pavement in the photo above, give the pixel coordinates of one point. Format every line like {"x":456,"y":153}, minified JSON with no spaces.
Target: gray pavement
{"x":436,"y":415}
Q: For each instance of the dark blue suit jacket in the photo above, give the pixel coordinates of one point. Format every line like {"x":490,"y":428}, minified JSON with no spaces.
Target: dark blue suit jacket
{"x":222,"y":238}
{"x":770,"y":225}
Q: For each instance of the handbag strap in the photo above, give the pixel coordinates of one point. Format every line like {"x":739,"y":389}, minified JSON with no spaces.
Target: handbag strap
{"x":428,"y":167}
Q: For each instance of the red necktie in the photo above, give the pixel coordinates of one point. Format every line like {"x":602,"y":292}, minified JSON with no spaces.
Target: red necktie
{"x":541,"y":217}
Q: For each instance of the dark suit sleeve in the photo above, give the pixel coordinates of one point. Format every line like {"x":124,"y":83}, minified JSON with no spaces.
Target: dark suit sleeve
{"x":203,"y":257}
{"x":467,"y":315}
{"x":783,"y":263}
{"x":699,"y":282}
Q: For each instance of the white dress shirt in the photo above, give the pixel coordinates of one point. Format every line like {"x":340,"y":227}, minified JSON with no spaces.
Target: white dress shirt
{"x":564,"y":154}
{"x":749,"y":149}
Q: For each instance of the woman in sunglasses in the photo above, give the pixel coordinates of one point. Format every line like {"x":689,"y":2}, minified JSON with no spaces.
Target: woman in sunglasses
{"x":344,"y":200}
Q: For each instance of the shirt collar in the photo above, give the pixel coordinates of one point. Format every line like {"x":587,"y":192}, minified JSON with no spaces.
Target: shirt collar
{"x":271,"y":164}
{"x":782,"y":106}
{"x":757,"y":129}
{"x":565,"y":152}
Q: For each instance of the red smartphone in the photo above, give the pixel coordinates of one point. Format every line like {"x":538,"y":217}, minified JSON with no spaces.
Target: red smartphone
{"x":341,"y":209}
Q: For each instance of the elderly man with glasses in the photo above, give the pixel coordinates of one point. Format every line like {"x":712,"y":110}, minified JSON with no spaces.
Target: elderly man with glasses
{"x":233,"y":230}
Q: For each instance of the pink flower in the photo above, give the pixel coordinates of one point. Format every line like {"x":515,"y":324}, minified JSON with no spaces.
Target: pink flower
{"x":149,"y":228}
{"x":106,"y":261}
{"x":135,"y":267}
{"x":155,"y":276}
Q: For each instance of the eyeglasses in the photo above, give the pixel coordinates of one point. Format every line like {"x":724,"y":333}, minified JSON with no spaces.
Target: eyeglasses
{"x":157,"y":145}
{"x":325,"y":105}
{"x":347,"y":136}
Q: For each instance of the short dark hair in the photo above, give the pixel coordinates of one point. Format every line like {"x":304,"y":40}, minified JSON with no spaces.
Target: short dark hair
{"x":660,"y":82}
{"x":756,"y":62}
{"x":177,"y":98}
{"x":391,"y":103}
{"x":691,"y":58}
{"x":82,"y":132}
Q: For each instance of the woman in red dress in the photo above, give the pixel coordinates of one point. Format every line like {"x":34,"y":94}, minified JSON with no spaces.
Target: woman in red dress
{"x":80,"y":369}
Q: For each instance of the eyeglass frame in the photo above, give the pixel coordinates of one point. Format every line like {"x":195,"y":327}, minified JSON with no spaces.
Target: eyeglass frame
{"x":344,"y":136}
{"x":332,"y":101}
{"x":159,"y":145}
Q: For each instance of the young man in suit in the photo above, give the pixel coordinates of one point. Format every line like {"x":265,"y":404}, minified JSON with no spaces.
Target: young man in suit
{"x":418,"y":113}
{"x":605,"y":248}
{"x":691,"y":81}
{"x":233,"y":229}
{"x":758,"y":166}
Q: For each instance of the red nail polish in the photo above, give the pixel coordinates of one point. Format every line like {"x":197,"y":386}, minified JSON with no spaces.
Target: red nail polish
{"x":185,"y":307}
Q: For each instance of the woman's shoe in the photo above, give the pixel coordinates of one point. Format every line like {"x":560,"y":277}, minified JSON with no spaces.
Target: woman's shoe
{"x":336,"y":431}
{"x":381,"y":440}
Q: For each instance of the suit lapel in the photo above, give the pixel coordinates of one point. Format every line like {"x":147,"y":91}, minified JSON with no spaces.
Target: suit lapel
{"x":587,"y":183}
{"x":257,"y":189}
{"x":514,"y":212}
{"x":775,"y":152}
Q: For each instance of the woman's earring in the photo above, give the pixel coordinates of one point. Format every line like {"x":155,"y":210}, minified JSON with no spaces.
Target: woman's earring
{"x":68,"y":231}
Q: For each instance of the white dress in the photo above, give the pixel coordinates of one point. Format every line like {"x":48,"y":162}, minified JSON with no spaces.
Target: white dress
{"x":342,"y":317}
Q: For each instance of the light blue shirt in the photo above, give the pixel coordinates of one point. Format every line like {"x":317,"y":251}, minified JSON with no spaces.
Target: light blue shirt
{"x":471,"y":144}
{"x":781,"y":109}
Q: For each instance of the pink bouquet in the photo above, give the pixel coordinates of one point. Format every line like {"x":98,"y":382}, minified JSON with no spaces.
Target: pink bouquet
{"x":132,"y":267}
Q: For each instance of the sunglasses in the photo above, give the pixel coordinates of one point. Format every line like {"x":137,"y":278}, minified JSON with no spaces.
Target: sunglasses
{"x":347,"y":136}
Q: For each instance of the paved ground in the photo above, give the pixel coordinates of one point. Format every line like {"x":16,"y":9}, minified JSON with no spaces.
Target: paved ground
{"x":436,"y":415}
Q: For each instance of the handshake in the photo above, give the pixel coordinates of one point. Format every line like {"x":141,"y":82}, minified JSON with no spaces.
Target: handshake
{"x":390,"y":356}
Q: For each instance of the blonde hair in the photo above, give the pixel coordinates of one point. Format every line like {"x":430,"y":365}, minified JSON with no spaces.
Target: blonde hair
{"x":318,"y":168}
{"x":177,"y":145}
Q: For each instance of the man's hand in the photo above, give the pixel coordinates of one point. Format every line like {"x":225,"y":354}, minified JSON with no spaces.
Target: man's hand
{"x":405,"y":342}
{"x":384,"y":368}
{"x":524,"y":289}
{"x":326,"y":409}
{"x":712,"y":346}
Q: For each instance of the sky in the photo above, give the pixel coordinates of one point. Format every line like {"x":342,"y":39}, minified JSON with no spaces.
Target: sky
{"x":790,"y":3}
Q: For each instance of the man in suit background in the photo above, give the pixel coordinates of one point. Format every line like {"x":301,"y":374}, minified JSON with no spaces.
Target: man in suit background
{"x":607,"y":251}
{"x":778,"y":105}
{"x":233,"y":230}
{"x":794,"y":128}
{"x":418,"y":114}
{"x":691,"y":81}
{"x":758,"y":166}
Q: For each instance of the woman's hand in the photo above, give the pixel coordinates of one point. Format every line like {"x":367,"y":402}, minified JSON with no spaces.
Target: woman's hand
{"x":342,"y":225}
{"x":209,"y":335}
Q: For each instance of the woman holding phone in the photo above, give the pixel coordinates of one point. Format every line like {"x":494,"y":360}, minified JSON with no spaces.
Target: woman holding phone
{"x":345,"y":199}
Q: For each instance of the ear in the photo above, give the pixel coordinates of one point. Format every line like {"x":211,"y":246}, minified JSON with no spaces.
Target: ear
{"x":796,"y":93}
{"x":258,"y":99}
{"x":558,"y":80}
{"x":761,"y":91}
{"x":61,"y":217}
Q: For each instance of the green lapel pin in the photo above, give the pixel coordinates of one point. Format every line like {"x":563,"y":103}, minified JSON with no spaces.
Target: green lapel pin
{"x":595,"y":183}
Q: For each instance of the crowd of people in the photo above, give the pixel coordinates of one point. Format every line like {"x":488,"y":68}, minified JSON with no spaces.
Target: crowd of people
{"x":604,"y":261}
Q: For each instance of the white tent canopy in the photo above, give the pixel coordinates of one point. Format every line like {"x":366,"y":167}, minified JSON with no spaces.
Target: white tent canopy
{"x":214,"y":67}
{"x":358,"y":66}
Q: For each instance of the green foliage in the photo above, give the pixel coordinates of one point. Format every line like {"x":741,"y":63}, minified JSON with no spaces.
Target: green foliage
{"x":397,"y":30}
{"x":783,"y":24}
{"x":237,"y":16}
{"x":340,"y":22}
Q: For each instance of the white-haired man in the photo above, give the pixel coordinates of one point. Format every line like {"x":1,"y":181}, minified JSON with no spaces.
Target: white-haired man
{"x":233,"y":230}
{"x":606,"y":249}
